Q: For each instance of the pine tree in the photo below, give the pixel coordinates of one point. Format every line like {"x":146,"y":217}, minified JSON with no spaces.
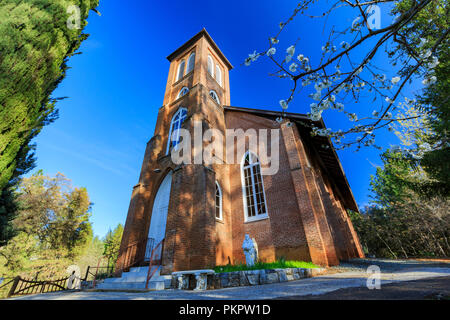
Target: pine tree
{"x":37,"y":37}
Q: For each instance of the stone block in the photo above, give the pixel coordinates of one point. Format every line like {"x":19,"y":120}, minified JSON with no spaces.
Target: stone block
{"x":224,"y":279}
{"x":271,"y":276}
{"x":243,"y":278}
{"x":253,"y":277}
{"x":234,"y":279}
{"x":290,"y":274}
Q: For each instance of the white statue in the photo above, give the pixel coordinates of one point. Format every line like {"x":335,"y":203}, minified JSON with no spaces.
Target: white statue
{"x":250,"y":251}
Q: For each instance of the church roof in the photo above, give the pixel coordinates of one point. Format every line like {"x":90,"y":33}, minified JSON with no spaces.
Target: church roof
{"x":328,"y":157}
{"x":202,"y":33}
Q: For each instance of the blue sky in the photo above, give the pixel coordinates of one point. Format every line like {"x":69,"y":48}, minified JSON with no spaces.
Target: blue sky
{"x":117,"y":85}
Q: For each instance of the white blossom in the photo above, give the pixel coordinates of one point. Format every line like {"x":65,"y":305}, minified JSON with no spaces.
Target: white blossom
{"x":394,"y":80}
{"x":293,"y":67}
{"x":271,"y":51}
{"x":283,"y":104}
{"x":274,"y":40}
{"x":425,"y":55}
{"x":430,"y":80}
{"x":291,"y":50}
{"x":352,"y":117}
{"x":423,"y":41}
{"x":433,"y":63}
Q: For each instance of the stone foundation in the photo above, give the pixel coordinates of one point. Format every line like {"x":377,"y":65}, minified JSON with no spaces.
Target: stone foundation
{"x":247,"y":278}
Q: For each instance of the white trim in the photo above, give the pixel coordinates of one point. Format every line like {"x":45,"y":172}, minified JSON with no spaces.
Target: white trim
{"x":221,"y":202}
{"x":179,"y":93}
{"x":191,"y":56}
{"x":182,"y":63}
{"x":215,"y":94}
{"x":210,"y":61}
{"x":219,"y":75}
{"x":244,"y":195}
{"x":169,"y":140}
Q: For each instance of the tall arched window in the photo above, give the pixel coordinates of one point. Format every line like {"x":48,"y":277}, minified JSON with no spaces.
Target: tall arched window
{"x":210,"y":66}
{"x":174,"y":133}
{"x":191,"y":63}
{"x":255,"y":206}
{"x":214,"y":95}
{"x":218,"y":202}
{"x":219,"y":74}
{"x":180,"y":72}
{"x":182,"y":92}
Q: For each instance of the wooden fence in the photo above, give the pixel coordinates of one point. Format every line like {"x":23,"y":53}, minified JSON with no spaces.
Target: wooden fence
{"x":20,"y":286}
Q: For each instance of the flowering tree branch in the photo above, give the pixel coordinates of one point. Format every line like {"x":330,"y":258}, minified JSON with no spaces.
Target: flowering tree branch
{"x":340,"y":77}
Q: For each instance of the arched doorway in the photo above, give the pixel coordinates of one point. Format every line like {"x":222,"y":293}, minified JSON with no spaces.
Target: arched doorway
{"x":157,"y":230}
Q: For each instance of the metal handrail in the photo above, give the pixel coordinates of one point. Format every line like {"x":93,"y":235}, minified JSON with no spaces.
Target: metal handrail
{"x":150,"y":274}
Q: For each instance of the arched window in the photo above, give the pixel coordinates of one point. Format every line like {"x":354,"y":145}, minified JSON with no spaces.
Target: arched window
{"x":180,"y":72}
{"x":214,"y":95}
{"x":255,"y":206}
{"x":175,"y":125}
{"x":210,"y":66}
{"x":182,"y":92}
{"x":218,"y":202}
{"x":219,"y":74}
{"x":191,"y":63}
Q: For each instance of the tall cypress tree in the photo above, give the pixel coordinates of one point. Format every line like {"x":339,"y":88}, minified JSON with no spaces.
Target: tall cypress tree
{"x":37,"y":37}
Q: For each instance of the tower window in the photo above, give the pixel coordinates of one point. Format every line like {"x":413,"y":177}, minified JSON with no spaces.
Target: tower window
{"x":210,"y":66}
{"x":180,"y":72}
{"x":191,"y":63}
{"x":214,"y":95}
{"x":255,"y":206}
{"x":182,"y":92}
{"x":175,"y":125}
{"x":219,"y":74}
{"x":218,"y":202}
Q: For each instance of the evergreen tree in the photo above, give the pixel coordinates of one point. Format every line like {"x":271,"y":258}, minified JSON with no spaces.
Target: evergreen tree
{"x":112,"y":244}
{"x":37,"y":37}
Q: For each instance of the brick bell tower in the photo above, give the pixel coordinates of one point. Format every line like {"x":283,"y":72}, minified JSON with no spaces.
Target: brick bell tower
{"x":175,"y":203}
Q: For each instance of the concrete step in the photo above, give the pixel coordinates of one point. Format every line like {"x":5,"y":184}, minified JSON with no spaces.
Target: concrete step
{"x":152,"y":285}
{"x":136,"y":279}
{"x":138,"y":269}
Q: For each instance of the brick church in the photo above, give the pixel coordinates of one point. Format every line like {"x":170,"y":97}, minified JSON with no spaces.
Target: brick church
{"x":195,"y":216}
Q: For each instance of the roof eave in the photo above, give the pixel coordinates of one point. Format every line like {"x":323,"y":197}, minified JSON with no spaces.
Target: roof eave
{"x":191,"y":41}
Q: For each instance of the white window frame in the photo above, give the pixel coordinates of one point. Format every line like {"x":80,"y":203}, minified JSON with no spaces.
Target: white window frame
{"x":185,"y":90}
{"x":218,"y":188}
{"x":219,"y":75}
{"x":210,"y":63}
{"x":182,"y":63}
{"x":244,"y":194}
{"x":216,"y":95}
{"x":190,"y":63}
{"x":172,"y":122}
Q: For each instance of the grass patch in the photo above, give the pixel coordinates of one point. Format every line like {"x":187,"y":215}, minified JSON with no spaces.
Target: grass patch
{"x":279,"y":264}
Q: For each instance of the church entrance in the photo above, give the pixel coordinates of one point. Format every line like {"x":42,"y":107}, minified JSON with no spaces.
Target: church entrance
{"x":157,"y":230}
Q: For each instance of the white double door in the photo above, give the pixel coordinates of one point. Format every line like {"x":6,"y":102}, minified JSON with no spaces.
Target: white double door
{"x":158,"y":222}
